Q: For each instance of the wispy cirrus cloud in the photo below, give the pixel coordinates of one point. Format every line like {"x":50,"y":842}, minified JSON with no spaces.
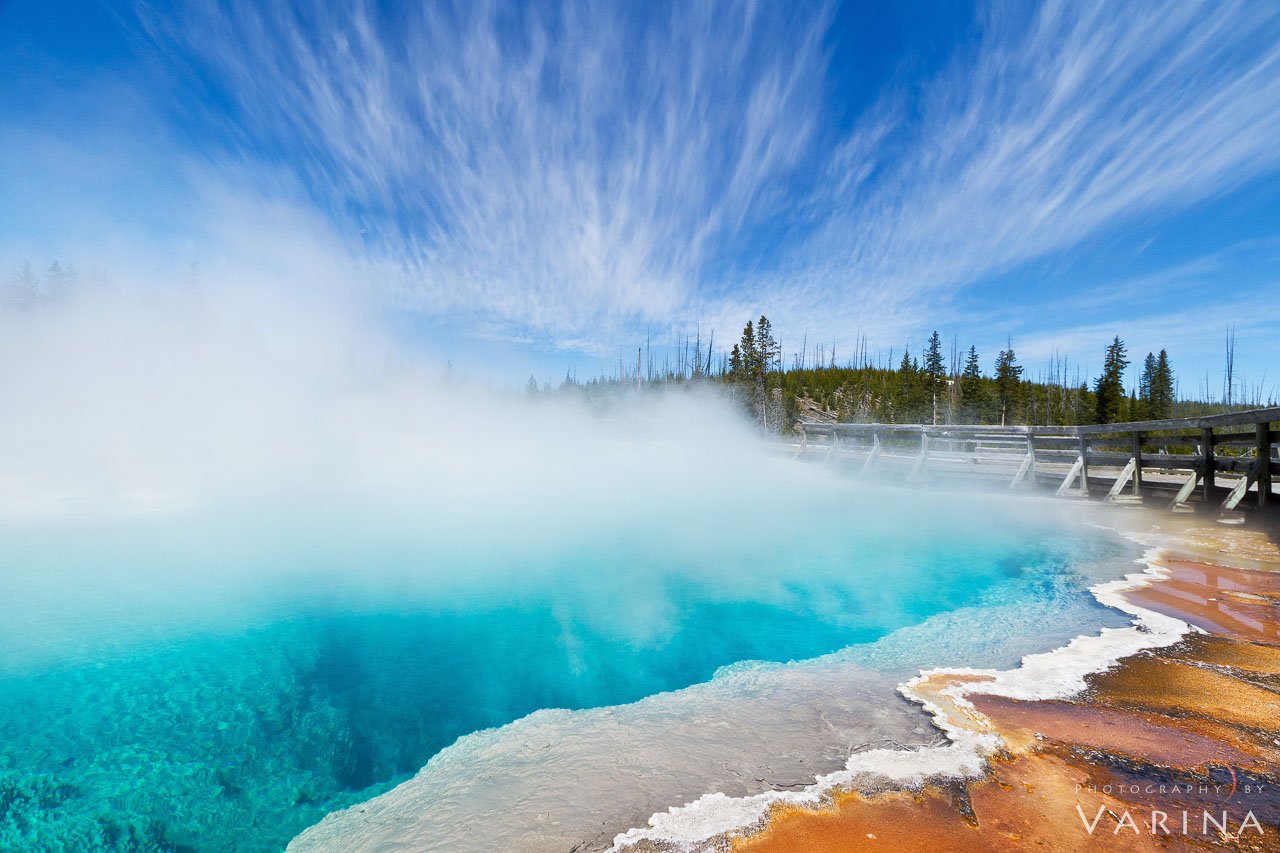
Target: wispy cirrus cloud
{"x":1054,"y":129}
{"x":570,"y":173}
{"x":561,"y":169}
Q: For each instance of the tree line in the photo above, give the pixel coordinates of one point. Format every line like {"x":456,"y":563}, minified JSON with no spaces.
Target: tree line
{"x":24,"y":288}
{"x":925,"y":389}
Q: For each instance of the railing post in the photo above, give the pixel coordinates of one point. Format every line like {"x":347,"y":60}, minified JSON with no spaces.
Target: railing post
{"x":1264,"y":464}
{"x":1137,"y":463}
{"x":1206,"y":442}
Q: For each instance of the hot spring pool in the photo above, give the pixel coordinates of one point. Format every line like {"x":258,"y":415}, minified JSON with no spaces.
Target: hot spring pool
{"x":170,"y":683}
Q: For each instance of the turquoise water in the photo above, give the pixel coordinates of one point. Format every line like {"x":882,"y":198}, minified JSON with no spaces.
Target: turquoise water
{"x":189,"y":694}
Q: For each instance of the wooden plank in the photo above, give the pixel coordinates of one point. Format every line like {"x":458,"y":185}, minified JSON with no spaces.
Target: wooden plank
{"x":1266,"y":415}
{"x":940,"y":431}
{"x":1252,"y":416}
{"x":1170,"y":461}
{"x":1052,"y":441}
{"x":1246,"y":418}
{"x":1222,"y":464}
{"x":1056,"y":452}
{"x":1162,"y":445}
{"x":1235,"y":438}
{"x":1121,"y":439}
{"x":1108,"y":460}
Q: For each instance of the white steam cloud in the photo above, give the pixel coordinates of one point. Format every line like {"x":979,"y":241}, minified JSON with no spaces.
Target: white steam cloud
{"x":185,"y":455}
{"x":124,"y":401}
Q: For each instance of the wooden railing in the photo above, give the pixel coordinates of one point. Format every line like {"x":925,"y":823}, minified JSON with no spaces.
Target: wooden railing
{"x":1135,"y":461}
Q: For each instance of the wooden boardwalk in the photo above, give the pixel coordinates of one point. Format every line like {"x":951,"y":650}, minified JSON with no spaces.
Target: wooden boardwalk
{"x":1220,"y":462}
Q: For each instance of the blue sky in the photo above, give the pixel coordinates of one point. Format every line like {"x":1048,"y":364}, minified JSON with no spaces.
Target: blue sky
{"x":529,"y":187}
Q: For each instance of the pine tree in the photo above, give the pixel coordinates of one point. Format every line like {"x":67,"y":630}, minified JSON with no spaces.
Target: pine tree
{"x":1084,"y":408}
{"x":933,"y":364}
{"x":736,"y":370}
{"x":1109,"y":387}
{"x":59,"y":280}
{"x":905,"y":367}
{"x":22,"y":288}
{"x":971,"y":396}
{"x":1161,"y":405}
{"x":766,"y":354}
{"x":935,"y":370}
{"x":912,"y":399}
{"x":1008,"y":378}
{"x":766,"y":345}
{"x":1146,"y":408}
{"x":750,"y":355}
{"x":755,"y":356}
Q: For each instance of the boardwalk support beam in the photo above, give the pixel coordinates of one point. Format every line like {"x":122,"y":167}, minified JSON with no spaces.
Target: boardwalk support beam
{"x":873,"y":455}
{"x":1180,"y":499}
{"x":1027,"y":462}
{"x":922,"y":461}
{"x":1084,"y":466}
{"x":1075,"y":471}
{"x":1122,"y":480}
{"x":1241,"y":489}
{"x":804,"y":442}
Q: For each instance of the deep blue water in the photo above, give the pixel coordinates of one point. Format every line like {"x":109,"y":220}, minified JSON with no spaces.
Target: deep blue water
{"x":237,"y":734}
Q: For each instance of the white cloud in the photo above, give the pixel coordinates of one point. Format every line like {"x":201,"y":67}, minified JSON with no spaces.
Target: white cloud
{"x":1055,"y":130}
{"x":573,"y":174}
{"x":566,"y":172}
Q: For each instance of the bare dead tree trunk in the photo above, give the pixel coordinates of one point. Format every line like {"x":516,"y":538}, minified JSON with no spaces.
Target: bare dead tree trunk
{"x":1229,"y":382}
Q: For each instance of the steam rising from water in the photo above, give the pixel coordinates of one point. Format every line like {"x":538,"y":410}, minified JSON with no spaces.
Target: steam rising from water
{"x":211,"y":441}
{"x":129,"y":402}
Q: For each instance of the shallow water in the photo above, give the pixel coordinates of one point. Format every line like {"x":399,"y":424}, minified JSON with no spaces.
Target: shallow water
{"x":147,"y":705}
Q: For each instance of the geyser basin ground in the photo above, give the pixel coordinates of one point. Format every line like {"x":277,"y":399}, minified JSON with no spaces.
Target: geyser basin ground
{"x":170,"y":687}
